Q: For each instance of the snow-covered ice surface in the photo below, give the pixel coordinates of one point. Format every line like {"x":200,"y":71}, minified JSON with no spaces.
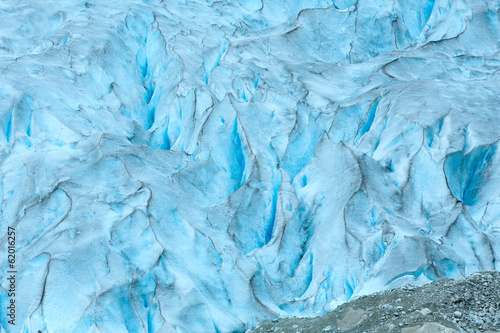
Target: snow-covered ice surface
{"x":200,"y":166}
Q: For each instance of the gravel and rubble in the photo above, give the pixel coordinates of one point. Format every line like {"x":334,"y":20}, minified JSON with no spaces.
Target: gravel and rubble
{"x":467,"y":305}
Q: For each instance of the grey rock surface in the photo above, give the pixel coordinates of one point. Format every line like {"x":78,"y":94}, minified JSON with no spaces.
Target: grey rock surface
{"x":469,"y":305}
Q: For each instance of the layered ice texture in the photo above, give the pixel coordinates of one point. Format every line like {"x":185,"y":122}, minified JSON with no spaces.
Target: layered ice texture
{"x":200,"y":166}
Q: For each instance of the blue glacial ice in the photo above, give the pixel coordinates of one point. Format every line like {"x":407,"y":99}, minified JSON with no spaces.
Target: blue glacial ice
{"x":200,"y":166}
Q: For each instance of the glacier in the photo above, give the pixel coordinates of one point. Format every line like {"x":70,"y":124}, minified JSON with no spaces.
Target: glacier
{"x":203,"y":165}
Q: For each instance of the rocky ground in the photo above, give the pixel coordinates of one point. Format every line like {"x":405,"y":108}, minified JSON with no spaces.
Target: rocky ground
{"x":447,"y":306}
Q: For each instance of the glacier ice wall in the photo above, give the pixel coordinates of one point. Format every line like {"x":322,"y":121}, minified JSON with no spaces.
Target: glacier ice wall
{"x":199,"y":166}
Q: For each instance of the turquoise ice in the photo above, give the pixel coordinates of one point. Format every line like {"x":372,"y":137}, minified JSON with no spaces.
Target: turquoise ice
{"x":200,"y":166}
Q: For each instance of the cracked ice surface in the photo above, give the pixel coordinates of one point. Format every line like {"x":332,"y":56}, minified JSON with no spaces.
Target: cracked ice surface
{"x":201,"y":166}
